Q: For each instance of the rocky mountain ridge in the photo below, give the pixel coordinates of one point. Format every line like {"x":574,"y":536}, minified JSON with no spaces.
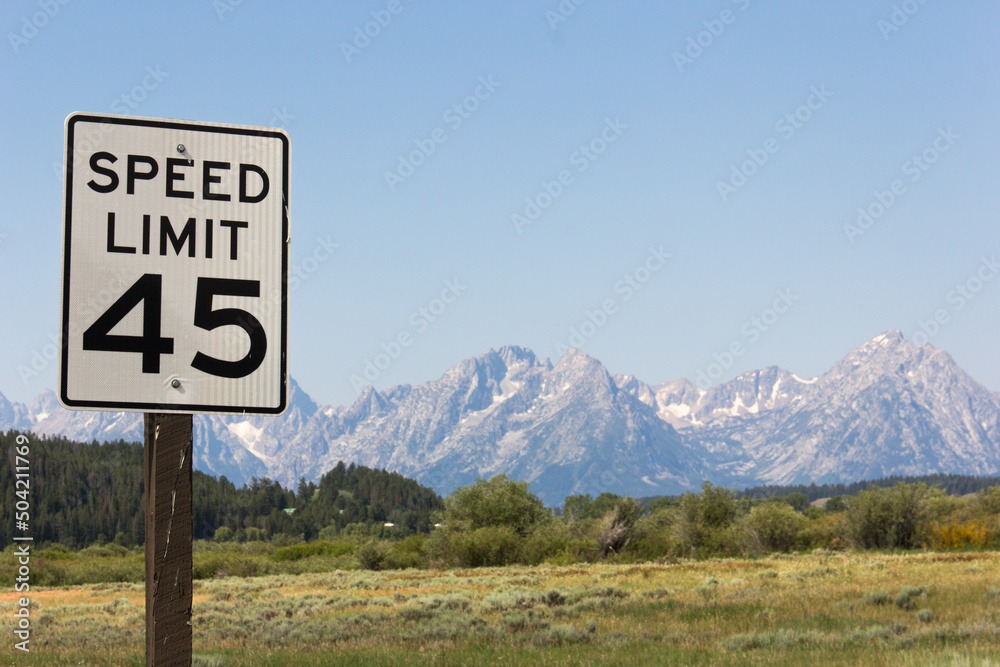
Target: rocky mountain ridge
{"x":888,"y":407}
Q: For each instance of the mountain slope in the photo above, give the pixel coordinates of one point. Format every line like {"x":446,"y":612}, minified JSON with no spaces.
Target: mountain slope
{"x":887,"y":407}
{"x":567,"y":429}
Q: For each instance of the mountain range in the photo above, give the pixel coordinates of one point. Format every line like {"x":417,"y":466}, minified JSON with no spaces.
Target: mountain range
{"x":887,"y":408}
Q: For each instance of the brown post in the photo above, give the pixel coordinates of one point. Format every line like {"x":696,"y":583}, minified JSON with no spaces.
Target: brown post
{"x":168,"y":539}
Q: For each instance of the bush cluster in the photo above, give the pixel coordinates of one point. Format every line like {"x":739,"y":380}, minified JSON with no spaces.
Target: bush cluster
{"x":711,"y":523}
{"x":499,"y":522}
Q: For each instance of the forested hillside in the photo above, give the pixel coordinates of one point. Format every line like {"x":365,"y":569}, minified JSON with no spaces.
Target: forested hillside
{"x":82,"y":494}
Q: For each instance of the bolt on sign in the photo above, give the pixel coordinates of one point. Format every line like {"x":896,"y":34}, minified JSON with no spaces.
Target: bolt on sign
{"x":175,"y":265}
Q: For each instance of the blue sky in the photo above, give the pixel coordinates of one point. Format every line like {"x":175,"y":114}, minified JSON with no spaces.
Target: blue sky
{"x":641,"y":110}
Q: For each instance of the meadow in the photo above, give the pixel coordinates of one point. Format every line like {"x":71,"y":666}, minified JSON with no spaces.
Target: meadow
{"x":826,"y":607}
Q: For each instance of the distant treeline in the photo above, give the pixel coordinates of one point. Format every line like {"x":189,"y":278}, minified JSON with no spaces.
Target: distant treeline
{"x":84,"y":494}
{"x":81,"y":494}
{"x":953,"y":485}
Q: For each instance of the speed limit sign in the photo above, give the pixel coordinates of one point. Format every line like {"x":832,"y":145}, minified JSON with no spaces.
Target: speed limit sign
{"x":175,"y":261}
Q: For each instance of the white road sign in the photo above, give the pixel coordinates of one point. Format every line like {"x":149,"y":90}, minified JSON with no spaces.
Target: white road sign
{"x":175,"y":264}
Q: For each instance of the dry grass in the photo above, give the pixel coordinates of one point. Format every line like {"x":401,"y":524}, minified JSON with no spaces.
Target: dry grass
{"x":814,"y":609}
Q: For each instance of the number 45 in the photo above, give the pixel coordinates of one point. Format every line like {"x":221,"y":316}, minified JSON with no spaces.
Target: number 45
{"x":151,"y":344}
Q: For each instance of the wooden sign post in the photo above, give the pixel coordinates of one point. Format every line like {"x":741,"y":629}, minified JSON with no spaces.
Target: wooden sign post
{"x":168,"y":539}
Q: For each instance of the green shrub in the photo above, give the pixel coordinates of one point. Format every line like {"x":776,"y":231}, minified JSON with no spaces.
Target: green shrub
{"x":571,"y":555}
{"x":782,"y":638}
{"x":486,"y":525}
{"x":653,"y":537}
{"x":512,"y":598}
{"x":57,"y":552}
{"x":905,"y":598}
{"x":306,"y":549}
{"x":206,"y":661}
{"x":836,"y":504}
{"x":771,"y":527}
{"x":490,"y":546}
{"x":888,"y":518}
{"x":104,"y":551}
{"x":371,"y":554}
{"x":705,"y":521}
{"x":550,"y":539}
{"x":211,"y":565}
{"x":495,"y":503}
{"x":410,"y":552}
{"x":223,"y":534}
{"x":451,"y":601}
{"x":521,"y":620}
{"x":877,"y":598}
{"x":557,"y":635}
{"x":329,"y":533}
{"x":283,"y":540}
{"x":987,"y":501}
{"x":447,"y":625}
{"x":554,"y":597}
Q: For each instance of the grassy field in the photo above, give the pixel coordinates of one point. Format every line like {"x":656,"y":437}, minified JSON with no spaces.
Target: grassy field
{"x":830,"y":609}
